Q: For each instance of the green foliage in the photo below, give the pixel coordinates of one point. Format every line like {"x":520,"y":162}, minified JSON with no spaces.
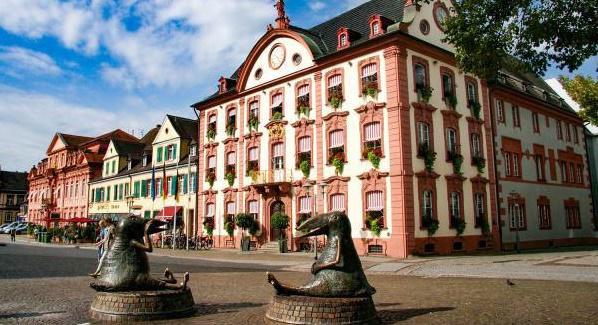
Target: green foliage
{"x":230,"y":178}
{"x":428,"y":155}
{"x":371,"y":91}
{"x":425,"y":93}
{"x":457,"y":163}
{"x":375,"y":227}
{"x":229,"y":227}
{"x":230,"y":129}
{"x":485,"y":226}
{"x":89,"y":232}
{"x":279,"y":221}
{"x":253,"y":123}
{"x":486,"y":34}
{"x":30,"y":229}
{"x":583,"y":90}
{"x":374,"y":159}
{"x":452,"y":101}
{"x":277,"y":116}
{"x":430,"y":224}
{"x":480,"y":163}
{"x":476,"y":108}
{"x":304,"y":110}
{"x":254,"y":228}
{"x":305,"y":167}
{"x":244,"y":220}
{"x":460,"y":225}
{"x":211,"y":133}
{"x":339,"y":165}
{"x":335,"y":102}
{"x":209,"y":226}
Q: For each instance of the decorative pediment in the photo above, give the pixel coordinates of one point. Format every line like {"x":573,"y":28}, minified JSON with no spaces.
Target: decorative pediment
{"x":303,"y":123}
{"x":336,"y":120}
{"x":276,"y":129}
{"x":230,"y":140}
{"x":373,"y":180}
{"x":454,"y":178}
{"x":479,"y":179}
{"x":370,"y":108}
{"x":211,"y":145}
{"x":427,"y":174}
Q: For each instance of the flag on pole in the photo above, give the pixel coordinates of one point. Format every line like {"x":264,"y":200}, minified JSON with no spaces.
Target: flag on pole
{"x":164,"y":183}
{"x":175,"y":182}
{"x":153,"y":184}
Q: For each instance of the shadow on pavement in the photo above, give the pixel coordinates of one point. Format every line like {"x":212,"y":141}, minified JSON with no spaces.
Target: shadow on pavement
{"x":396,"y":315}
{"x":29,"y":314}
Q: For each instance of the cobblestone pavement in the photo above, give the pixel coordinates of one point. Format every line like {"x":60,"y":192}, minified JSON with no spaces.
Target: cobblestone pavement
{"x":47,"y":285}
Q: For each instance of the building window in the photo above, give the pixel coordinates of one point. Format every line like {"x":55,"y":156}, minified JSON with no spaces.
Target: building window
{"x":253,"y":207}
{"x":478,"y":201}
{"x":372,"y":139}
{"x":303,"y":101}
{"x":276,"y":110}
{"x":579,"y":174}
{"x":210,"y":210}
{"x":516,"y":216}
{"x":423,"y":135}
{"x":343,"y":41}
{"x":539,"y":160}
{"x":544,"y":218}
{"x":564,"y":174}
{"x":144,"y":162}
{"x":211,"y":170}
{"x":516,"y":120}
{"x":567,"y":132}
{"x":254,"y":115}
{"x":374,"y":207}
{"x":476,"y":148}
{"x":535,"y":122}
{"x":211,"y":132}
{"x":336,"y":145}
{"x":278,"y":156}
{"x":427,"y":208}
{"x":421,"y":77}
{"x":451,"y":143}
{"x":253,"y":164}
{"x":559,"y":130}
{"x":472,"y":93}
{"x":231,"y":210}
{"x":572,"y":214}
{"x":516,"y":165}
{"x":193,"y":151}
{"x":448,"y":85}
{"x":337,"y":203}
{"x":231,"y":122}
{"x":369,"y":79}
{"x":171,"y":152}
{"x":375,"y":28}
{"x":455,"y":208}
{"x":305,"y":205}
{"x":575,"y":134}
{"x":500,"y":111}
{"x":335,"y":90}
{"x":304,"y":152}
{"x":231,"y":162}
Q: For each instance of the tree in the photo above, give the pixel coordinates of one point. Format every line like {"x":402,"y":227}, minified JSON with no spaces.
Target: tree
{"x":583,"y":90}
{"x":489,"y":34}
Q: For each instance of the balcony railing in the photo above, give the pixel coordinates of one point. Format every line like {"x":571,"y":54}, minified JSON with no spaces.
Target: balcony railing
{"x":273,"y":176}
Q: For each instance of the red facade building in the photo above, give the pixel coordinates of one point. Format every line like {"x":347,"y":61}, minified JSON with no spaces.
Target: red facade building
{"x":59,"y":183}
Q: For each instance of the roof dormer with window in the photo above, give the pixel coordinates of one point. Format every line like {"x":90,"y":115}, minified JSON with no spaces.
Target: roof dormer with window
{"x":345,"y":37}
{"x":378,"y":25}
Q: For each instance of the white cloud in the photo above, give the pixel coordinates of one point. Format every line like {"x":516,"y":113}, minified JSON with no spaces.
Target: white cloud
{"x":29,"y":120}
{"x":172,"y":43}
{"x":14,"y":60}
{"x":556,"y":85}
{"x":316,"y":5}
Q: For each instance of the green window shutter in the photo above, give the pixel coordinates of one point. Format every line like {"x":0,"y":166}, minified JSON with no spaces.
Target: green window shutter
{"x":94,"y":195}
{"x":173,"y":185}
{"x":165,"y":152}
{"x":127,"y":189}
{"x":143,"y":188}
{"x":159,"y":154}
{"x":113,"y":166}
{"x":147,"y":214}
{"x":174,"y":151}
{"x":185,"y":184}
{"x":120,"y":191}
{"x":108,"y":193}
{"x":136,"y":189}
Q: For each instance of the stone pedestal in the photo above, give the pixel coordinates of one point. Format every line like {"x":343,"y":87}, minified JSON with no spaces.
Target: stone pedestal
{"x":314,"y":310}
{"x":142,"y":305}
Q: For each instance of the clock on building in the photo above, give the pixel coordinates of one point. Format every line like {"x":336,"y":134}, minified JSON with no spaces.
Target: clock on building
{"x":440,"y":14}
{"x":277,"y":56}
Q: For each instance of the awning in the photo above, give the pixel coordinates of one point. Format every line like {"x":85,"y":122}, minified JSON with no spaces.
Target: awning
{"x":81,"y":220}
{"x":169,"y":212}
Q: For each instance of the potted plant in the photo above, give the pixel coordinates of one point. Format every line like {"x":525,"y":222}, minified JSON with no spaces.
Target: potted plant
{"x":277,"y":116}
{"x":253,"y":123}
{"x":229,"y":227}
{"x":428,"y":155}
{"x":230,"y":129}
{"x":451,"y":101}
{"x":424,"y":94}
{"x":230,"y":178}
{"x":459,"y":225}
{"x":305,"y":167}
{"x":475,"y":109}
{"x":211,"y":178}
{"x":211,"y":133}
{"x":244,"y":221}
{"x":280,"y":221}
{"x":338,"y":164}
{"x":485,"y":226}
{"x":457,"y":160}
{"x":479,"y":162}
{"x":304,"y":110}
{"x":374,"y":158}
{"x":254,"y":229}
{"x":208,"y":225}
{"x":430,"y":224}
{"x":370,"y":89}
{"x":375,"y":227}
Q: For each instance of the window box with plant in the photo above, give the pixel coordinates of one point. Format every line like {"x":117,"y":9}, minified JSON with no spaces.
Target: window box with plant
{"x":303,"y":106}
{"x":451,"y":101}
{"x":304,"y":163}
{"x":430,"y":224}
{"x":479,"y":162}
{"x":208,"y":225}
{"x":476,"y":109}
{"x":211,"y":132}
{"x":459,"y":224}
{"x":211,"y":176}
{"x":253,"y":122}
{"x":457,"y":159}
{"x":230,"y":174}
{"x":253,"y":166}
{"x":482,"y":222}
{"x":424,"y":93}
{"x":277,"y":115}
{"x":280,"y":222}
{"x":336,"y":157}
{"x":335,"y":96}
{"x":373,"y":153}
{"x":229,"y":225}
{"x":370,"y":87}
{"x":231,"y":128}
{"x":428,"y":155}
{"x":374,"y":222}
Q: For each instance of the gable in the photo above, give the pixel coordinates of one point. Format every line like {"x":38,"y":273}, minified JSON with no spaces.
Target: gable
{"x":166,"y":132}
{"x":425,"y":15}
{"x":56,"y":144}
{"x":111,"y":152}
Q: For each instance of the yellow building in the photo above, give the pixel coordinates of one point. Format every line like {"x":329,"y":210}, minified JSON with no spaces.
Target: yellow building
{"x":155,"y":176}
{"x":13,"y":189}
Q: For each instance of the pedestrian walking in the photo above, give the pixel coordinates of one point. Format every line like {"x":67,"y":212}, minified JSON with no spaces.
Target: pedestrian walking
{"x":108,"y":230}
{"x":13,"y":234}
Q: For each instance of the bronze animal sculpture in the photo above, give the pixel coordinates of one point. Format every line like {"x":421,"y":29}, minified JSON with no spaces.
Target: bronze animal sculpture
{"x":338,"y":271}
{"x":126,"y":267}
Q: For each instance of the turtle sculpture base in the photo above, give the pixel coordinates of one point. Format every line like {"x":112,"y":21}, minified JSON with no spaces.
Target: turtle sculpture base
{"x":319,"y":310}
{"x":124,"y":307}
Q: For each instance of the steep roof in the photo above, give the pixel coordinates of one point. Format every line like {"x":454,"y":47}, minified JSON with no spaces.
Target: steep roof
{"x":117,"y":134}
{"x":186,"y":128}
{"x":13,"y":181}
{"x":73,"y":140}
{"x":127,"y":147}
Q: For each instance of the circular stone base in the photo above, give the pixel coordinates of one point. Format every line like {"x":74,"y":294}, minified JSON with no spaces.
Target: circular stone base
{"x":310,"y":310}
{"x":142,"y":305}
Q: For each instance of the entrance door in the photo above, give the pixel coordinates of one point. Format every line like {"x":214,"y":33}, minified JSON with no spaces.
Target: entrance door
{"x":277,"y":206}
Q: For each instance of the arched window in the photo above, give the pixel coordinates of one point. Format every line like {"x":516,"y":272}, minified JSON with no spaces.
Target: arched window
{"x":374,"y":207}
{"x":427,"y":205}
{"x":369,"y":78}
{"x":253,"y":207}
{"x":343,"y":40}
{"x":455,"y":205}
{"x":472,"y":93}
{"x":420,"y":76}
{"x":475,"y":145}
{"x":276,"y":108}
{"x":372,"y":139}
{"x":336,"y":145}
{"x":423,"y":134}
{"x":451,"y":142}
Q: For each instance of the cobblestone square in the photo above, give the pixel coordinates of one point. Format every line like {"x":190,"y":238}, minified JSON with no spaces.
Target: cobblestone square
{"x":48,"y":285}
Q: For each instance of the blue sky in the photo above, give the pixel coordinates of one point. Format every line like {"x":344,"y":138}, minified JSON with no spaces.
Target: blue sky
{"x":89,"y":66}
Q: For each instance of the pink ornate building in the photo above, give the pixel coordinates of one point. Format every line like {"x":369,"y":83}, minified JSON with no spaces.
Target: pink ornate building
{"x":59,"y":183}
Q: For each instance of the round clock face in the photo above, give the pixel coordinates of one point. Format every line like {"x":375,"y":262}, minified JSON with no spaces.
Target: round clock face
{"x":440,"y":14}
{"x":277,"y":56}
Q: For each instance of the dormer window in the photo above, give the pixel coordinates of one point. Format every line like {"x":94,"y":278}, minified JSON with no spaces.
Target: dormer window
{"x":129,"y":165}
{"x":377,"y":25}
{"x":144,"y":161}
{"x":222,"y":85}
{"x":171,"y":152}
{"x":344,"y":40}
{"x":193,"y":151}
